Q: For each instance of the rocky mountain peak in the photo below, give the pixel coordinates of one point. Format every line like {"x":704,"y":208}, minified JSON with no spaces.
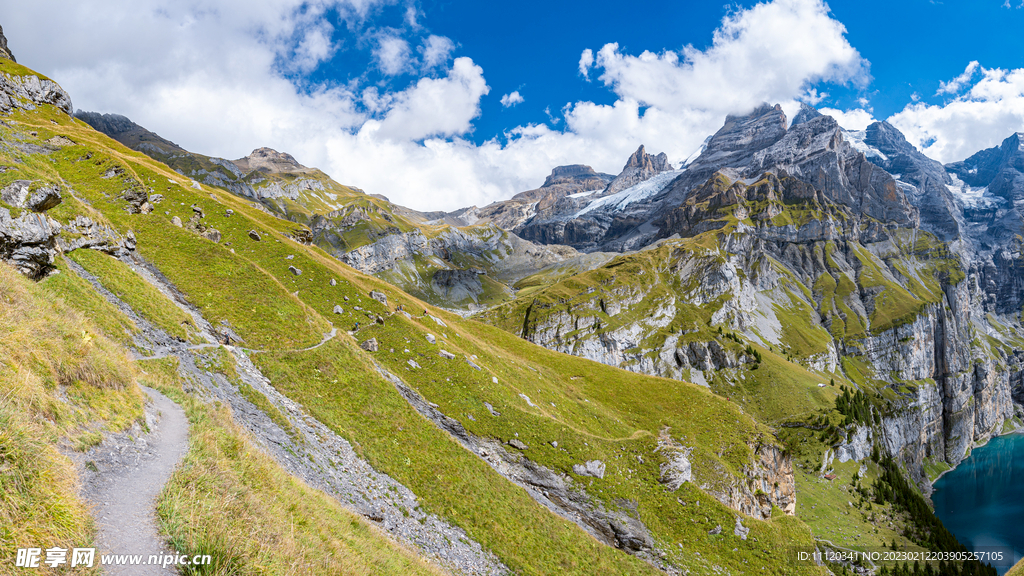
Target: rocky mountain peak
{"x":572,"y":172}
{"x":735,"y":144}
{"x":641,"y":159}
{"x":5,"y":52}
{"x":641,"y":166}
{"x":805,"y":114}
{"x":269,"y":160}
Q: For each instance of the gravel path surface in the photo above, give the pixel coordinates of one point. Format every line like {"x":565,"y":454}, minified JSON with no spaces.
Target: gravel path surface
{"x":123,"y":477}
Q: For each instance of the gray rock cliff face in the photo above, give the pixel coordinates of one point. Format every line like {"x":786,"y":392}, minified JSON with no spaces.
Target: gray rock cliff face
{"x":924,"y":180}
{"x":28,"y":92}
{"x":28,"y":242}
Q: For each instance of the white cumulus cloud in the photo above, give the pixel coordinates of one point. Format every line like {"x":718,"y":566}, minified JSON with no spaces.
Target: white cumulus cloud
{"x":749,"y":61}
{"x":434,"y":106}
{"x":586,"y":61}
{"x":856,"y":119}
{"x":956,"y":84}
{"x":436,"y":50}
{"x":392,"y":54}
{"x":982,"y":117}
{"x":512,"y":99}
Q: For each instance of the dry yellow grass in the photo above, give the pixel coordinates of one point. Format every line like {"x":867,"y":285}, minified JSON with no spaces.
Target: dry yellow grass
{"x":60,"y":381}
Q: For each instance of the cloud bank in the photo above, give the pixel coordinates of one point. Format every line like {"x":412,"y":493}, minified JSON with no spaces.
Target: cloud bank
{"x":225,"y":80}
{"x":981,"y":117}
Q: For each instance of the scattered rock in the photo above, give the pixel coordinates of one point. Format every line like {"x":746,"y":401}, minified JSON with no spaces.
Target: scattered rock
{"x":446,"y":354}
{"x":554,"y":443}
{"x":527,"y":398}
{"x":334,"y":282}
{"x":472,"y":365}
{"x":339,"y":310}
{"x":346,"y":298}
{"x":254,"y":235}
{"x":431,"y":339}
{"x":156,"y":198}
{"x":593,"y":468}
{"x":379,"y":297}
{"x":176,"y":221}
{"x":370,"y":345}
{"x":412,"y":363}
{"x":516,"y":443}
{"x":211,"y":234}
{"x":380,"y":320}
{"x":302,"y":236}
{"x":295,"y":270}
{"x":491,"y":409}
{"x":740,"y":530}
{"x":229,"y":212}
{"x":28,"y":242}
{"x":290,"y":257}
{"x":716,"y":531}
{"x":21,"y":194}
{"x":494,"y":379}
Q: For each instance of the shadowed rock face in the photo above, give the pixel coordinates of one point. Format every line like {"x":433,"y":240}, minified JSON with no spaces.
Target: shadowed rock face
{"x":814,"y":152}
{"x":578,"y":175}
{"x":993,"y":226}
{"x":5,"y":52}
{"x":129,"y":133}
{"x":1001,"y":171}
{"x":927,"y":179}
{"x":806,"y":114}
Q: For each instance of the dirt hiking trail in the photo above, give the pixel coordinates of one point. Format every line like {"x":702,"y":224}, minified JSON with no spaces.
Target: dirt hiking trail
{"x":127,"y":474}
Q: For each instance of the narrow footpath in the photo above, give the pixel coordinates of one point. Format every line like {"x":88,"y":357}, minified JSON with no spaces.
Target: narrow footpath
{"x":124,"y":480}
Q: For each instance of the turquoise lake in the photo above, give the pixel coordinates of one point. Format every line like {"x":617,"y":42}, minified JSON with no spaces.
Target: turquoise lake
{"x":982,"y":501}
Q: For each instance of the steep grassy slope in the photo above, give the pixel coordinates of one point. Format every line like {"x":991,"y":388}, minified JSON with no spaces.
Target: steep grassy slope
{"x":278,"y":296}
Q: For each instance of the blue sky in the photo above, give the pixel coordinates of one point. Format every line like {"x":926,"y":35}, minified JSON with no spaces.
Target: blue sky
{"x":533,"y":47}
{"x":446,"y":103}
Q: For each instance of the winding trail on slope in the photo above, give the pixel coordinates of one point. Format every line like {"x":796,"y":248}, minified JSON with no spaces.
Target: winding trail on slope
{"x":327,"y":337}
{"x":130,"y":476}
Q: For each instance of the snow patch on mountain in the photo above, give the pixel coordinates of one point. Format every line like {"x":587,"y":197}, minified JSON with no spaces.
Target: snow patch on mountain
{"x":972,"y":197}
{"x":690,"y":159}
{"x":856,"y":138}
{"x":633,"y":194}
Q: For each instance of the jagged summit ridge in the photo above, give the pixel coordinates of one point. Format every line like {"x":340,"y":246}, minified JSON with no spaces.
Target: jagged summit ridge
{"x":641,"y":166}
{"x":124,"y":130}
